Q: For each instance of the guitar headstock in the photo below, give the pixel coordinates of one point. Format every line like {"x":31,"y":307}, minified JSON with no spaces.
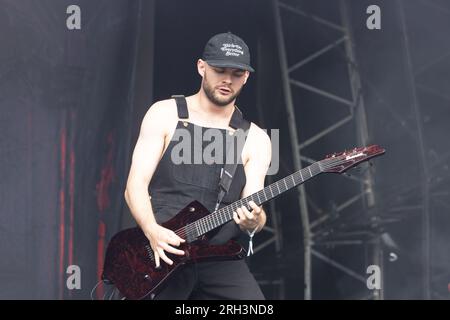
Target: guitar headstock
{"x":341,"y":162}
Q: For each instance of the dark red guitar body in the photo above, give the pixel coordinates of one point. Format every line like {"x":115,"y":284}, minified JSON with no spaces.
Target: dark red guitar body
{"x":129,"y":262}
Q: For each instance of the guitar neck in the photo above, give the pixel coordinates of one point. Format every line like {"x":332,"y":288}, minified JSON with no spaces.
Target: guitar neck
{"x":225,"y":214}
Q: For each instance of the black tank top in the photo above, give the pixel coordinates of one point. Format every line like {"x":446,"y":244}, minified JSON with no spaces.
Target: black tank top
{"x":174,"y":186}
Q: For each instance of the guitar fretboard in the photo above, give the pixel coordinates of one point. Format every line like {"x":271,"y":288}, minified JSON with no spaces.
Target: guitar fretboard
{"x":225,"y":214}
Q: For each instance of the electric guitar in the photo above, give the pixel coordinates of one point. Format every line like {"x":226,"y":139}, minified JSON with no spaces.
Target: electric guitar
{"x":129,"y":261}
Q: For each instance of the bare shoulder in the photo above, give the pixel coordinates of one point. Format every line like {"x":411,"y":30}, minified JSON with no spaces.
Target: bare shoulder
{"x":258,"y":146}
{"x":258,"y":136}
{"x":163,"y":109}
{"x":162,"y":114}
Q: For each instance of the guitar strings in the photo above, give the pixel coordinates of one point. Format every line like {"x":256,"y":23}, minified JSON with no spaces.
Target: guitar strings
{"x":323,"y":165}
{"x":326,"y":164}
{"x":209,"y":220}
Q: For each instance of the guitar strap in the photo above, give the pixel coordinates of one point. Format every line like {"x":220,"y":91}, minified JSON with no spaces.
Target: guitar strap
{"x":241,"y":126}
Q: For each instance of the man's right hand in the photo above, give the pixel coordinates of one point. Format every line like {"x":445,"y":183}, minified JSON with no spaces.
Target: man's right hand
{"x":161,"y":240}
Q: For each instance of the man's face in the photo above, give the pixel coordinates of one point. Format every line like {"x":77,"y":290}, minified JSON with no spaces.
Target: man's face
{"x":222,"y":85}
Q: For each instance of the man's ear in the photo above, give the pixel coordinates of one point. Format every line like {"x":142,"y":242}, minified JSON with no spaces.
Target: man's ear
{"x":201,"y":67}
{"x":247,"y":74}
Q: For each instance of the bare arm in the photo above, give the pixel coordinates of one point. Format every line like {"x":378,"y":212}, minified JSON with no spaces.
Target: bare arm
{"x":255,"y":171}
{"x":146,"y":155}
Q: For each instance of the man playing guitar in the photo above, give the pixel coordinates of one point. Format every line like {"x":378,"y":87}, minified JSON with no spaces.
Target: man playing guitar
{"x":224,"y":68}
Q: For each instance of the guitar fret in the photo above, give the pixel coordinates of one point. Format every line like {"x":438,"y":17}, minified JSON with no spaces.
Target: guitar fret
{"x":205,"y":227}
{"x":199,"y":223}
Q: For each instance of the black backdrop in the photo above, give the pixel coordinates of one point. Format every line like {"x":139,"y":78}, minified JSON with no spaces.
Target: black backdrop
{"x":66,"y":106}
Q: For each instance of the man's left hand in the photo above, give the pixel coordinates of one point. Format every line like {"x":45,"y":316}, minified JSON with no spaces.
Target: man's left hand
{"x":248,"y":220}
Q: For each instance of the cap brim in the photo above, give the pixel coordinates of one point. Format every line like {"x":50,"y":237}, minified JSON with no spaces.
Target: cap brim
{"x":229,"y":64}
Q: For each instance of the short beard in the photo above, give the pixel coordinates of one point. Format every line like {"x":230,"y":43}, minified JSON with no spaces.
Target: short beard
{"x":215,"y":98}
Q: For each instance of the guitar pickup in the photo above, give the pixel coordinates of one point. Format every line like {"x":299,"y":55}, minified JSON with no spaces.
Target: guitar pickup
{"x":150,"y":253}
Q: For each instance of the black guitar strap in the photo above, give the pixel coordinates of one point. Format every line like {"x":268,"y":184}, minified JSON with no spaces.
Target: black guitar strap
{"x":241,"y":126}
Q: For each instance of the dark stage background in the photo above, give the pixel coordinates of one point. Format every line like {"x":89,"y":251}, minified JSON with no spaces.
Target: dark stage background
{"x":71,"y":104}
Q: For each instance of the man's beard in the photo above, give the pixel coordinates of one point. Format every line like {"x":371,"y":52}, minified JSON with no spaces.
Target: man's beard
{"x":216,"y":98}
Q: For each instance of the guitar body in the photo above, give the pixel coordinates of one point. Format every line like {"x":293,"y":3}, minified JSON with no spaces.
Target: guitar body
{"x":130,"y":265}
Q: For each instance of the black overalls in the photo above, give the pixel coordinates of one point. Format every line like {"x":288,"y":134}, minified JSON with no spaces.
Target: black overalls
{"x":172,"y":187}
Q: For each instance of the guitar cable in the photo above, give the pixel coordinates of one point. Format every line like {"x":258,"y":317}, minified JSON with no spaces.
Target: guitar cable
{"x":95,"y":287}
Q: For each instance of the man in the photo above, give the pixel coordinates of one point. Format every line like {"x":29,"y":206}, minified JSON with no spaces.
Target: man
{"x":224,"y":68}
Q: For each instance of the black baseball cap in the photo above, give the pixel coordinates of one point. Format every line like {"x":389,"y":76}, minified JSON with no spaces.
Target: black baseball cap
{"x":227,"y":50}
